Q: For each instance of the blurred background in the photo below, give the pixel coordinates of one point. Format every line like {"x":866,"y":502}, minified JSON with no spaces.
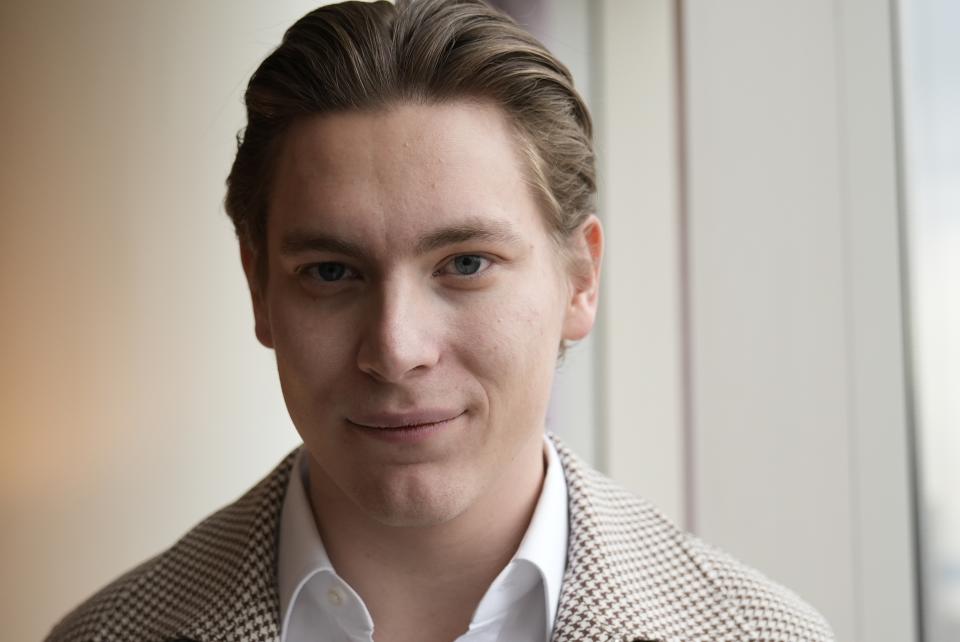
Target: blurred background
{"x":777,"y":361}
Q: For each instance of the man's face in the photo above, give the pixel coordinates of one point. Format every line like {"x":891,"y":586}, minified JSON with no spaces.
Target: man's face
{"x":415,"y":302}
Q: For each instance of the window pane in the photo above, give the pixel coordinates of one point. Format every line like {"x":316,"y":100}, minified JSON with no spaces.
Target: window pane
{"x":930,"y":63}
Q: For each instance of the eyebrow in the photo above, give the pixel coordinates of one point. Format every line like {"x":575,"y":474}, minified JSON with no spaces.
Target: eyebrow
{"x":299,"y":242}
{"x":469,"y":230}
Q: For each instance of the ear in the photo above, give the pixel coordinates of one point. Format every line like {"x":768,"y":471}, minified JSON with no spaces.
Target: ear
{"x":249,"y":258}
{"x":586,"y":248}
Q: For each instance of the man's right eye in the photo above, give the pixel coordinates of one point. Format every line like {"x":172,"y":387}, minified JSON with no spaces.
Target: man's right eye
{"x":328,"y":271}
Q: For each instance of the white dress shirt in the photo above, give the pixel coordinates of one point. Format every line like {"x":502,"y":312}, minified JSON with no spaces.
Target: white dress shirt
{"x":317,"y":605}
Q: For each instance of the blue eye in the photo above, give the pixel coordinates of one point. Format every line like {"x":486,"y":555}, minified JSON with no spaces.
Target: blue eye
{"x":468,"y":264}
{"x":328,"y":271}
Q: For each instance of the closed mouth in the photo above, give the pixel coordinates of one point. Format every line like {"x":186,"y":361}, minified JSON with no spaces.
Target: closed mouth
{"x":406,"y":421}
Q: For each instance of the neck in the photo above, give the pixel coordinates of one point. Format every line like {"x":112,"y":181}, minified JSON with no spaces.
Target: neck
{"x":435,"y":574}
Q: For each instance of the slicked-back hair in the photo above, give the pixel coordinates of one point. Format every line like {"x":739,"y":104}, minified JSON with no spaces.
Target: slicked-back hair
{"x":369,"y":56}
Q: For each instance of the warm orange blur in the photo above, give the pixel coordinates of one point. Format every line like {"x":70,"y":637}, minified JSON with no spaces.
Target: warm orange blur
{"x":125,"y":331}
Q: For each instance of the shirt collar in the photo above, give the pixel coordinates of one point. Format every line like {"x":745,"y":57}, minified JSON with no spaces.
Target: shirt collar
{"x":543,"y":548}
{"x":545,"y":542}
{"x":301,"y":552}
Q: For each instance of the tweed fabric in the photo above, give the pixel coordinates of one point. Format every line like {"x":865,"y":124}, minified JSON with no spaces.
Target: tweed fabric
{"x":631,"y":575}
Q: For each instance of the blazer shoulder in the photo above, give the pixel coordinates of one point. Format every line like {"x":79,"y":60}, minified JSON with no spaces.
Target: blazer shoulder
{"x":665,"y":582}
{"x":195,"y":580}
{"x":769,"y":611}
{"x":102,"y":616}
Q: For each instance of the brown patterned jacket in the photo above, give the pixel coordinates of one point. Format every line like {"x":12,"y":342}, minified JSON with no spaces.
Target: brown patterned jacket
{"x":631,"y":575}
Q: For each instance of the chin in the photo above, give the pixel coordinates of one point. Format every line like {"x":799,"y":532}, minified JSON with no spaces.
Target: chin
{"x":415,"y":500}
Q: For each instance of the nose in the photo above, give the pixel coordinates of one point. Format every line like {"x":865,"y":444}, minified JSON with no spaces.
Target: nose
{"x":398,"y":339}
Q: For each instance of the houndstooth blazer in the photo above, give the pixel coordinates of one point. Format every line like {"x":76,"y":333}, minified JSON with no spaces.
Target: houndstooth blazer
{"x":631,"y":575}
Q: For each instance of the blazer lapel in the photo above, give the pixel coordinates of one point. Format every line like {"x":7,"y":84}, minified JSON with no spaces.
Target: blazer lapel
{"x":238,"y":556}
{"x":629,"y":574}
{"x":595,"y":604}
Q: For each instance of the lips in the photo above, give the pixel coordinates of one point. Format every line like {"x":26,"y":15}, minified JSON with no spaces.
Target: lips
{"x":401,"y":420}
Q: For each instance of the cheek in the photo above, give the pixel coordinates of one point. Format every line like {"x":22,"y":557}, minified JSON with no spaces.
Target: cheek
{"x":511,"y":347}
{"x":312,"y":349}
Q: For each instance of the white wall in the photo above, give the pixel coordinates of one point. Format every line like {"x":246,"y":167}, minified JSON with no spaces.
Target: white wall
{"x":642,"y":436}
{"x":770,"y":348}
{"x":797,"y":370}
{"x":753,"y":346}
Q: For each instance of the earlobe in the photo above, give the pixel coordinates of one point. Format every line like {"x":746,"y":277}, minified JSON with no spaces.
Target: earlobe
{"x":587,"y":249}
{"x":249,"y":259}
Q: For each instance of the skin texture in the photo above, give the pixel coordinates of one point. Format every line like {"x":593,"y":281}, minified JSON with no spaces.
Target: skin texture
{"x":410,"y":271}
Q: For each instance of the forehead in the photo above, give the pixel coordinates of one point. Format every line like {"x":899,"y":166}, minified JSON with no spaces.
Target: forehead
{"x":386,"y":176}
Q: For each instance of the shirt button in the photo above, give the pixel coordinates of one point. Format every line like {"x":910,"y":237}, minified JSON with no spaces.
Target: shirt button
{"x":335,"y":597}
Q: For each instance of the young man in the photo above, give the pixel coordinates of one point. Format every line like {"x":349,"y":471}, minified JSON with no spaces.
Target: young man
{"x":413,"y":197}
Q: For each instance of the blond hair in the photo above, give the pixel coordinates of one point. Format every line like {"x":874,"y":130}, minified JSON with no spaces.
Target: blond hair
{"x":365,"y":56}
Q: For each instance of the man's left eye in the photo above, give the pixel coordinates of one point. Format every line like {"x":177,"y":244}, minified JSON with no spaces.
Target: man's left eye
{"x":465,"y":265}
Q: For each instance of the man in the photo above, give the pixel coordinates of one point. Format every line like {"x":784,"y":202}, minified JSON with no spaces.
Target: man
{"x":413,"y":197}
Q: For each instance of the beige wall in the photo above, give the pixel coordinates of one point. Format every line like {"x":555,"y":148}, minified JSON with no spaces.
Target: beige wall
{"x":133,"y":395}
